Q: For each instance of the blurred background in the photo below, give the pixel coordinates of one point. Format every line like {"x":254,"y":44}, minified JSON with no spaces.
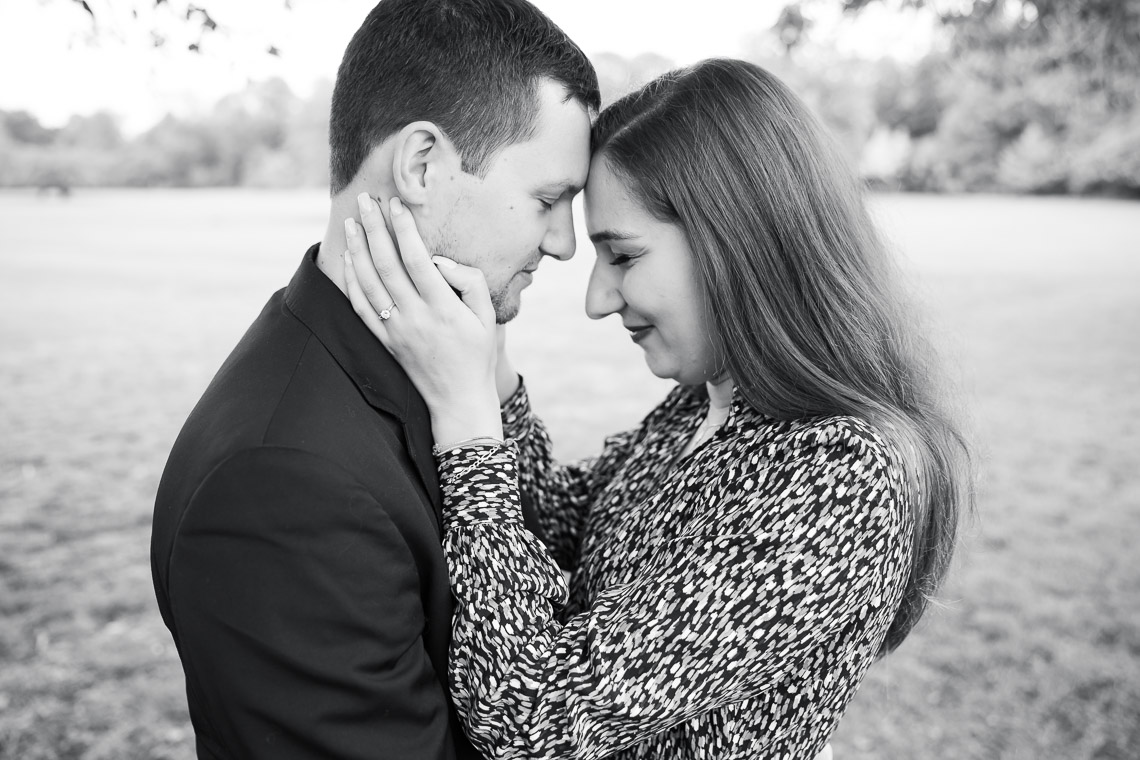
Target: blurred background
{"x":163,"y":169}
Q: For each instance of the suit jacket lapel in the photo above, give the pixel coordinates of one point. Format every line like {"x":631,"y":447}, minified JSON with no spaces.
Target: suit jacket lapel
{"x":325,"y":310}
{"x":417,"y":433}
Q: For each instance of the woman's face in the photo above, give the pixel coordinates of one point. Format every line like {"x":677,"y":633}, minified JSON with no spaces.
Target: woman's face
{"x":644,"y":273}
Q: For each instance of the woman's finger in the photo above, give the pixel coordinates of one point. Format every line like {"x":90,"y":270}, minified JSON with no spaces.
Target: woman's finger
{"x":377,"y":243}
{"x":361,"y":303}
{"x":367,"y":278}
{"x":417,"y":261}
{"x":471,"y":285}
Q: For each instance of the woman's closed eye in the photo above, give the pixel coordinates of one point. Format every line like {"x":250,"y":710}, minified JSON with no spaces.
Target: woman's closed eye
{"x":622,"y":259}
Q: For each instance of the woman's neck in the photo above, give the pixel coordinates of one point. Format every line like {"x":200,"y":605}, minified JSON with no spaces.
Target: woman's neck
{"x":720,"y":393}
{"x":720,"y":401}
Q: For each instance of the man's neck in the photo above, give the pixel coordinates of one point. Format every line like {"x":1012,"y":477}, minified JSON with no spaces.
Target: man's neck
{"x":343,"y":206}
{"x":330,"y":258}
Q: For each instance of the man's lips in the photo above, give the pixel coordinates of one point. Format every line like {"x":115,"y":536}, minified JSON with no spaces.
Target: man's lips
{"x":527,"y":275}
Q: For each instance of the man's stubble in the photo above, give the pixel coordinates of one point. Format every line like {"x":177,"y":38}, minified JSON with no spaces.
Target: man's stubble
{"x":506,"y":308}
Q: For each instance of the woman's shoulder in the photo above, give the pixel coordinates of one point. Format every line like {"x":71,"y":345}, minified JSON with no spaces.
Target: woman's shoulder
{"x":842,"y":430}
{"x":842,"y":465}
{"x":826,"y":441}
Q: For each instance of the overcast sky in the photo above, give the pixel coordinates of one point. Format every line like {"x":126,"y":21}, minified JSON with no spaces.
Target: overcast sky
{"x":51,"y":68}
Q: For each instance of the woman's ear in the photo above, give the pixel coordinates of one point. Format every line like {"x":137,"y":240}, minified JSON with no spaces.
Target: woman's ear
{"x":422,"y":158}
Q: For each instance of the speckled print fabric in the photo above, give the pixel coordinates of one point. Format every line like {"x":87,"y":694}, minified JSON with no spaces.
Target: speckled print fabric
{"x":721,"y":605}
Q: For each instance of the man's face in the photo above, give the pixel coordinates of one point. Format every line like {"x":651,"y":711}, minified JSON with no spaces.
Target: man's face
{"x":520,"y":211}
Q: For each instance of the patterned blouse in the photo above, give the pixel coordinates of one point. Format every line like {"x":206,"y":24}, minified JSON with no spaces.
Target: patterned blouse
{"x":723,"y":604}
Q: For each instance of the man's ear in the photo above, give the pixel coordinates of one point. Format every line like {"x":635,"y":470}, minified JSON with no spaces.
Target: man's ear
{"x":422,"y":158}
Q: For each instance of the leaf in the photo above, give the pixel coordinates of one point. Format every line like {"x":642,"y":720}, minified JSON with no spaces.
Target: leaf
{"x":208,"y":22}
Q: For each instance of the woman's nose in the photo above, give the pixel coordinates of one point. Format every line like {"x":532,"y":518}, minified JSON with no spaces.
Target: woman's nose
{"x":603,"y":294}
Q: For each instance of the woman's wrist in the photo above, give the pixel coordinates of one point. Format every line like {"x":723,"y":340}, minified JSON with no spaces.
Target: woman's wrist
{"x":466,"y":418}
{"x":476,"y":442}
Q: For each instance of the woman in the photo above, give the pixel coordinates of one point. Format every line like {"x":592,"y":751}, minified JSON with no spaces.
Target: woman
{"x":739,"y":559}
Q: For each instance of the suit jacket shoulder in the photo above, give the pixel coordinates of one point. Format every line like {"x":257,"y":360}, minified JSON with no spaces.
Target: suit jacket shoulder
{"x":296,"y":548}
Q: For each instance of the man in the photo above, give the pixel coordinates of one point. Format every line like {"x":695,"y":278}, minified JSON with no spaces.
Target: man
{"x":296,"y":544}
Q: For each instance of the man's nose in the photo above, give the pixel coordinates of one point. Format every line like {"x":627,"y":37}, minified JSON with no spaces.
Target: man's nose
{"x":559,"y":241}
{"x":603,"y":293}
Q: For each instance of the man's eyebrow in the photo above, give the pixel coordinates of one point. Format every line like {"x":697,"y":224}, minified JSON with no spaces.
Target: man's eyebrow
{"x":605,"y":236}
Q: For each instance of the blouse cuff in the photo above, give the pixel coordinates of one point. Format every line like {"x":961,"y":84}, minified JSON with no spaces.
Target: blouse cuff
{"x":480,"y":484}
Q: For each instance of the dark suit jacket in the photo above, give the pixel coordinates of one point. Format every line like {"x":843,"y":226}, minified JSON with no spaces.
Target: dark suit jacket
{"x":296,"y":547}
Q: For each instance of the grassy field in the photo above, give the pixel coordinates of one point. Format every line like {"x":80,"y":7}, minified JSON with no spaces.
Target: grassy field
{"x":117,"y":307}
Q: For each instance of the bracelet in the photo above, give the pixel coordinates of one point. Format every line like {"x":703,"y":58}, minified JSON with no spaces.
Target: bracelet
{"x":455,"y":476}
{"x":491,"y":446}
{"x":481,"y":440}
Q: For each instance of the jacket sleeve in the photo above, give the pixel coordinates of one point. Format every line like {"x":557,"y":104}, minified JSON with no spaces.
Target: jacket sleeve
{"x":299,"y":617}
{"x":794,"y":548}
{"x":560,"y":494}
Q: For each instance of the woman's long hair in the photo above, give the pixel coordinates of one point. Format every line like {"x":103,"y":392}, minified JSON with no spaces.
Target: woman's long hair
{"x":799,"y":287}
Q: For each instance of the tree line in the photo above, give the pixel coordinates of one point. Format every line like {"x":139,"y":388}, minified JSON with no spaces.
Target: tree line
{"x":1027,"y":96}
{"x":263,"y":136}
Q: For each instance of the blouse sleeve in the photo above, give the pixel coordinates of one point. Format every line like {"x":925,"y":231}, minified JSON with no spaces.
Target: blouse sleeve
{"x":560,"y":493}
{"x":801,"y":542}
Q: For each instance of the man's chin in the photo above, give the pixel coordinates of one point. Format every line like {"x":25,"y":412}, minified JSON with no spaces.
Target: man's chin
{"x":505,"y":309}
{"x":506,"y":303}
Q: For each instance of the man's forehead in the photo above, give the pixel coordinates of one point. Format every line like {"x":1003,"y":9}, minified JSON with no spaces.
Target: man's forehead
{"x":551,"y":169}
{"x":561,"y":138}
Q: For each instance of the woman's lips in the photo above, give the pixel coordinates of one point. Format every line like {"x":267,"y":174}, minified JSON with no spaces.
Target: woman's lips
{"x":639,"y":333}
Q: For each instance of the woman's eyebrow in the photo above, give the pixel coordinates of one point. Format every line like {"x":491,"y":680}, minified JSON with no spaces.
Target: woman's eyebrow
{"x":605,"y":236}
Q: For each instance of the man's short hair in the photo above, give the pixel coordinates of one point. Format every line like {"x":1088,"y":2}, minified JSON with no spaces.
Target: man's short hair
{"x":470,"y":66}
